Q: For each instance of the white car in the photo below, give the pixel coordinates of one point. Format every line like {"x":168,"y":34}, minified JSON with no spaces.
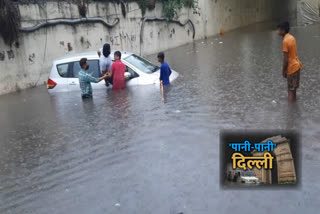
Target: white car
{"x":64,"y":73}
{"x":249,"y":177}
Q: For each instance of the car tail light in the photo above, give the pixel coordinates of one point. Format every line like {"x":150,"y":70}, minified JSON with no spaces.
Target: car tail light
{"x":51,"y":84}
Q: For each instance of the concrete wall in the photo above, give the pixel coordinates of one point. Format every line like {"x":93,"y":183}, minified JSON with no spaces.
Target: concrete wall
{"x":308,"y":12}
{"x":28,"y":62}
{"x":284,"y":10}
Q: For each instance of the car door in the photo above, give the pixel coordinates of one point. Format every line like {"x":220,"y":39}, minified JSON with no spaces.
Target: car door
{"x":65,"y":74}
{"x":94,"y":70}
{"x":134,"y":76}
{"x":147,"y":79}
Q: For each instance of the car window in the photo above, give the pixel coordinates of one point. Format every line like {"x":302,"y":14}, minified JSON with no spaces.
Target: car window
{"x":63,"y":70}
{"x":133,"y":74}
{"x":142,"y":64}
{"x":94,"y":69}
{"x":248,"y":173}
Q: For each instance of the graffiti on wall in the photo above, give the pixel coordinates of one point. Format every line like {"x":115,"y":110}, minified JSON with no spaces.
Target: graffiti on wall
{"x":123,"y":40}
{"x":6,"y":54}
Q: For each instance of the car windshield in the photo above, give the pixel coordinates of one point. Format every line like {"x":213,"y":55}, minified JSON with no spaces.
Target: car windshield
{"x":248,"y":173}
{"x":142,"y":64}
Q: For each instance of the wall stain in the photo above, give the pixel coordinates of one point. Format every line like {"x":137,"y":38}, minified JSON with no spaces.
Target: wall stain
{"x":2,"y":55}
{"x":88,"y":44}
{"x":10,"y":54}
{"x":69,"y":47}
{"x":116,"y":40}
{"x":31,"y":58}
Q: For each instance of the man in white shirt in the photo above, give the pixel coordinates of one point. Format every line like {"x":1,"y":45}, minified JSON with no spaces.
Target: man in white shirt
{"x":105,"y":61}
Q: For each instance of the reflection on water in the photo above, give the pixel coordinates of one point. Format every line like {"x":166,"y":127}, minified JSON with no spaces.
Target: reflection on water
{"x":59,"y":154}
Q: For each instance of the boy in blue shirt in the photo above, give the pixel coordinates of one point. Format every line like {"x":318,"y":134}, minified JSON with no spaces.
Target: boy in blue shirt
{"x":165,"y":70}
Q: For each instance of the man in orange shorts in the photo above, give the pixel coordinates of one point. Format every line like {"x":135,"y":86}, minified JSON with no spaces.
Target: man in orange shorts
{"x":291,"y":64}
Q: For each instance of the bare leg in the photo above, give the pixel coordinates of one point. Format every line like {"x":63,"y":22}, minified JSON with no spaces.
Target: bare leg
{"x":107,"y":82}
{"x":162,"y":91}
{"x":292,"y":96}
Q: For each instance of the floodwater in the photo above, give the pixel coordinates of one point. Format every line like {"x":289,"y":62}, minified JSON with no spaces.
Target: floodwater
{"x":128,"y":152}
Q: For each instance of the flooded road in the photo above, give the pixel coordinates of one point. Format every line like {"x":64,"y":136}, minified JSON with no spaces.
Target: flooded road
{"x":127,"y":152}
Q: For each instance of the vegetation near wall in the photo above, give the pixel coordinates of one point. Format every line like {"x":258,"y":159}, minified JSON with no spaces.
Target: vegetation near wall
{"x":10,"y":16}
{"x":170,"y":7}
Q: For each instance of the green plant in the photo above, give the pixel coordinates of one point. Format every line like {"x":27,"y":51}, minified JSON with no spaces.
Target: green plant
{"x":143,"y":5}
{"x":172,"y":7}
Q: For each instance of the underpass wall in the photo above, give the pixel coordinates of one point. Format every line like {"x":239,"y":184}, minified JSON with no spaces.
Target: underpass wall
{"x":284,"y":10}
{"x":308,"y":12}
{"x":27,"y":62}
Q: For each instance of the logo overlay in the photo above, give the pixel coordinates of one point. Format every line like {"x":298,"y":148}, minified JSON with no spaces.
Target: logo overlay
{"x":258,"y":159}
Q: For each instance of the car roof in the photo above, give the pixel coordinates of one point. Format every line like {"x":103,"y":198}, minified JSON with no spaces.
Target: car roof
{"x":90,"y":55}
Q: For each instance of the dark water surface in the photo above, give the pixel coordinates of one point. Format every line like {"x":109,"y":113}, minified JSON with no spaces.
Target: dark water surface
{"x":127,"y":152}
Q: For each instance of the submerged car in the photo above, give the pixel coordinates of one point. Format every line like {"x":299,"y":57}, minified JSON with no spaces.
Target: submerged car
{"x":249,"y":177}
{"x":64,"y":72}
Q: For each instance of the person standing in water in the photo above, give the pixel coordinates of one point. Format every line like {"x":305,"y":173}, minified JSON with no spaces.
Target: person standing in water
{"x":165,"y":70}
{"x":85,"y":79}
{"x":291,"y":65}
{"x":117,"y":72}
{"x":105,"y":61}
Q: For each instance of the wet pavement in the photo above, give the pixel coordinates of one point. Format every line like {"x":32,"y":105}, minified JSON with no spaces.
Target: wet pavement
{"x":127,"y":152}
